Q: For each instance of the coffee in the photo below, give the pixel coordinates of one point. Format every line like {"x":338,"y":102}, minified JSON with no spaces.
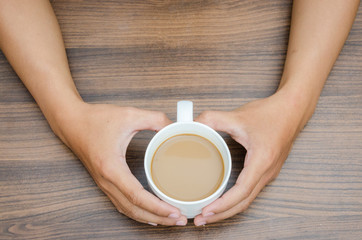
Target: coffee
{"x":187,"y":167}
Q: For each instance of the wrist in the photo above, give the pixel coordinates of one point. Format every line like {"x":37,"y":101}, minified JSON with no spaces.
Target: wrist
{"x":300,"y":102}
{"x":62,"y":112}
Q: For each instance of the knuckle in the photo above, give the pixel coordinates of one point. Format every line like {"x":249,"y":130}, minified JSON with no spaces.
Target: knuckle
{"x":160,"y":117}
{"x":102,"y":185}
{"x":271,"y":179}
{"x":158,"y":212}
{"x":163,"y":117}
{"x":139,"y":214}
{"x":244,"y":206}
{"x":270,"y":155}
{"x":246,"y":191}
{"x":131,"y":212}
{"x":120,"y":210}
{"x":205,"y":115}
{"x":274,"y":176}
{"x":105,"y":168}
{"x":134,"y":197}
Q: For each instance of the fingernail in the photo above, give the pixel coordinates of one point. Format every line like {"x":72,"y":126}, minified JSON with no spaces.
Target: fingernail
{"x":200,"y":223}
{"x":208,"y":214}
{"x":174,"y":215}
{"x":153,"y":224}
{"x":181,"y":223}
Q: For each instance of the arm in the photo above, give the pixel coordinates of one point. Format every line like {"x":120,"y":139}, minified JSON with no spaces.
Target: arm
{"x":30,"y":38}
{"x":268,"y":127}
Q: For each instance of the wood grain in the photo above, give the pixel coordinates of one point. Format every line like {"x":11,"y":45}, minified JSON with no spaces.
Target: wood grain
{"x":150,"y":54}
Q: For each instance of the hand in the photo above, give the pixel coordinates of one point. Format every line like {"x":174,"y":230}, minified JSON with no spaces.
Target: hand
{"x":267,"y":129}
{"x":99,"y":136}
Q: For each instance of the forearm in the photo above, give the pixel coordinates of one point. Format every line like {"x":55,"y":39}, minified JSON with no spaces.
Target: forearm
{"x":317,"y":35}
{"x":30,"y":38}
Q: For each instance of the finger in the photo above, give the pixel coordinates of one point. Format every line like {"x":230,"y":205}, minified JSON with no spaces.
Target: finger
{"x":150,"y":120}
{"x":218,"y":120}
{"x":240,"y":207}
{"x":244,"y":186}
{"x":125,"y":207}
{"x":140,"y":119}
{"x":131,"y":188}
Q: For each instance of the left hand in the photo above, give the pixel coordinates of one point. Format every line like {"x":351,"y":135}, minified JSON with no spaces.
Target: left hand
{"x":267,"y":129}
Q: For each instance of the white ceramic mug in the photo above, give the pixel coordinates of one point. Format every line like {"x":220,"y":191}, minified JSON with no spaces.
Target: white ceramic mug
{"x":186,"y":125}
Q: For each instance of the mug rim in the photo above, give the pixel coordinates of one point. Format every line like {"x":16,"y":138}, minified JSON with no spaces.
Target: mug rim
{"x":227,"y":172}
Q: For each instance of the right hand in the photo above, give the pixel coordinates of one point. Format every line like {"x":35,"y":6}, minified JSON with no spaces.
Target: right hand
{"x":99,"y":136}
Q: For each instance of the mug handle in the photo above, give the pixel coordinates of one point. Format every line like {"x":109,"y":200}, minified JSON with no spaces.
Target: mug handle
{"x":185,"y":111}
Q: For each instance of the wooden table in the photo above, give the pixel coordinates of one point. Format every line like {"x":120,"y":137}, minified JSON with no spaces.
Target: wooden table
{"x":150,"y":54}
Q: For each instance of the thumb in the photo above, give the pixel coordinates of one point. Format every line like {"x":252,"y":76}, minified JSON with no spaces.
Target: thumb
{"x":150,"y":120}
{"x":219,"y":121}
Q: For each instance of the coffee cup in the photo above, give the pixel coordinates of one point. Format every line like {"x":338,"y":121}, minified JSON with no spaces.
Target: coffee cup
{"x":181,"y":134}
